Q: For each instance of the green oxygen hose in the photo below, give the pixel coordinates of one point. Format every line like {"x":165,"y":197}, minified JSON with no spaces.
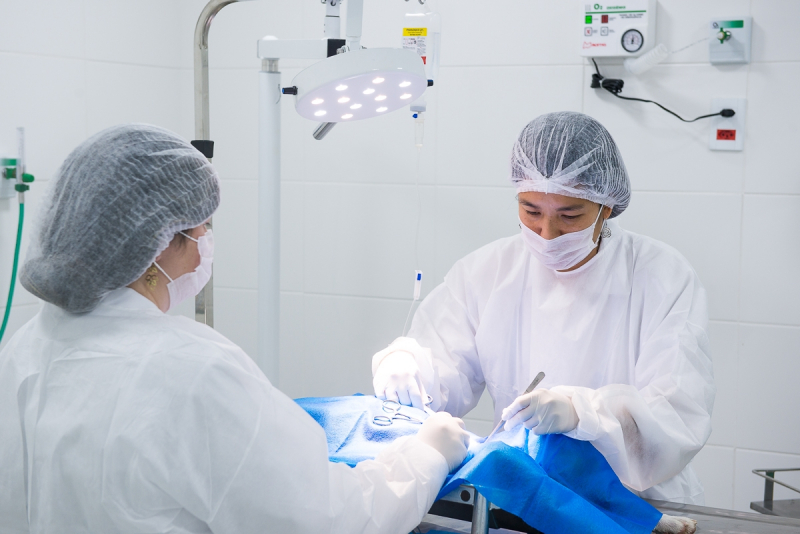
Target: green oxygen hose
{"x":13,"y":271}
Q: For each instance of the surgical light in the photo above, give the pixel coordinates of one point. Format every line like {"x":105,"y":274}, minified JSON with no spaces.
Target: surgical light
{"x":317,"y":101}
{"x":319,"y":113}
{"x":347,"y":116}
{"x":354,"y":73}
{"x":404,"y":84}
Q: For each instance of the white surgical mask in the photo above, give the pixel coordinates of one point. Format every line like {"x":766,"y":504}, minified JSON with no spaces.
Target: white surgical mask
{"x":190,"y":284}
{"x":563,"y":251}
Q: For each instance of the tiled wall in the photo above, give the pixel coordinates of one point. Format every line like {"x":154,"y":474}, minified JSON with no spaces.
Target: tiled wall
{"x":351,"y":203}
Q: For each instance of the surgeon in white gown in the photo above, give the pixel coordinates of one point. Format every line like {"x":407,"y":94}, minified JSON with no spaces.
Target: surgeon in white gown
{"x":617,"y":321}
{"x":115,"y":417}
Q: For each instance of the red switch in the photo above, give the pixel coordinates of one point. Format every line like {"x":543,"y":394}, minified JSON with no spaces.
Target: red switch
{"x":604,"y":19}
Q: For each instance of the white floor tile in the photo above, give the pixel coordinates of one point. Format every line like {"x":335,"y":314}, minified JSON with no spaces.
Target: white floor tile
{"x":655,"y":145}
{"x":772,"y":137}
{"x":769,"y":364}
{"x":749,"y":487}
{"x":770,"y":287}
{"x":483,"y":110}
{"x":715,"y":467}
{"x":361,"y":239}
{"x":702,"y":227}
{"x":726,"y":417}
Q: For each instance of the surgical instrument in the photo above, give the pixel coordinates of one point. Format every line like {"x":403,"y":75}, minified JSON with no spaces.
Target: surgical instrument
{"x":533,"y":385}
{"x":393,"y":407}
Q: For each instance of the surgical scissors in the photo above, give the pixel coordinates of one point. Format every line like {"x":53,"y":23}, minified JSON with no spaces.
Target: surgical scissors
{"x":393,"y":407}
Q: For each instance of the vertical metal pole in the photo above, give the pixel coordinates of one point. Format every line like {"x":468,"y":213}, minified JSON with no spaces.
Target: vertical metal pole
{"x":480,"y":514}
{"x":204,"y":302}
{"x":269,"y":218}
{"x":769,"y":487}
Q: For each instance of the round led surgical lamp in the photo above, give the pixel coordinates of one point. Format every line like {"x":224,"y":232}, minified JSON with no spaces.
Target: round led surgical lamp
{"x":359,"y":85}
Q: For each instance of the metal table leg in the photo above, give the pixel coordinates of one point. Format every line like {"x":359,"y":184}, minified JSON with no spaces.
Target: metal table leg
{"x":480,"y":515}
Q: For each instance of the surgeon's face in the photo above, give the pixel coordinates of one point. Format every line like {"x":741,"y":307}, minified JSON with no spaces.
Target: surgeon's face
{"x":551,"y":215}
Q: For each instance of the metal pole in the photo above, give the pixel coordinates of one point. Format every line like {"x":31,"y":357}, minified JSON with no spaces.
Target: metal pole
{"x":204,"y":301}
{"x":269,"y":218}
{"x":480,"y":514}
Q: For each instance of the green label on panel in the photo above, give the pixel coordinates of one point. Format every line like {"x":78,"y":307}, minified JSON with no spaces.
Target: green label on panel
{"x":731,"y":24}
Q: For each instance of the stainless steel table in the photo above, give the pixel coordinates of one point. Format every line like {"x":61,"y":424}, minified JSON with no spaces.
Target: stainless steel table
{"x":466,"y":511}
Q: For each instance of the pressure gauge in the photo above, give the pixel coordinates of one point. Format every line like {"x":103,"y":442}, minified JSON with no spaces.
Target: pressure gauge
{"x":632,"y":41}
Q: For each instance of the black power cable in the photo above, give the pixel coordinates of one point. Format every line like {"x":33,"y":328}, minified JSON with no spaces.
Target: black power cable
{"x":615,"y":88}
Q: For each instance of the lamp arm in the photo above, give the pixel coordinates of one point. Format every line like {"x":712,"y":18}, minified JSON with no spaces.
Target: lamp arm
{"x":355,"y":12}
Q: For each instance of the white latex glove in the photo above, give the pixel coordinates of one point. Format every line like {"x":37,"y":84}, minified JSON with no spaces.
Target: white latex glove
{"x":447,"y":435}
{"x":543,"y":411}
{"x":398,"y":378}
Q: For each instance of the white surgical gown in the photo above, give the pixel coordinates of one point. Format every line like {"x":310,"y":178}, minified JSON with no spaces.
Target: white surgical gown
{"x":129,"y":420}
{"x":624,"y":336}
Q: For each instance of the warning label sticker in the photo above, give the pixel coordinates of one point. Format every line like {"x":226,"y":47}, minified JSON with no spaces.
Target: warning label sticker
{"x":415,"y":32}
{"x":416,"y":39}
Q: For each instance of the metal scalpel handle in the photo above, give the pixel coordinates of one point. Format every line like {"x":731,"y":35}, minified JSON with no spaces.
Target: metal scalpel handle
{"x":533,"y":385}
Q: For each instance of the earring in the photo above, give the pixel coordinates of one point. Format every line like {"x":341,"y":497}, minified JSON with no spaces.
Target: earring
{"x":606,"y":232}
{"x":151,"y":279}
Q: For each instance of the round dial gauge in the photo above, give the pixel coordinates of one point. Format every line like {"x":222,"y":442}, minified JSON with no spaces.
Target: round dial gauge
{"x":632,"y":41}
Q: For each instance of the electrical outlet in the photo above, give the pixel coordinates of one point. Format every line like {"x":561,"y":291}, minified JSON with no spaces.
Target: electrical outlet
{"x":727,"y":133}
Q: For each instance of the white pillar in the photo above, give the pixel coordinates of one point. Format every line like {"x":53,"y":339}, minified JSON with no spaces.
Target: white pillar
{"x":269,"y":219}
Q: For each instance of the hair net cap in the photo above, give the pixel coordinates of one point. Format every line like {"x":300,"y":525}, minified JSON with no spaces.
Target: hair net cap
{"x":115,"y":204}
{"x":571,"y":154}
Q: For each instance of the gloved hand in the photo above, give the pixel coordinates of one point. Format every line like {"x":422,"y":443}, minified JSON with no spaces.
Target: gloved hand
{"x":447,"y":435}
{"x":398,"y":378}
{"x":543,"y":411}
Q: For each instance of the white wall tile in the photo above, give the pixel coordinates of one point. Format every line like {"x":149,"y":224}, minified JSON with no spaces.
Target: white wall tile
{"x":705,"y":229}
{"x":117,"y":94}
{"x":683,"y":22}
{"x":141,"y":32}
{"x":714,"y":467}
{"x":54,"y":120}
{"x":292,"y":223}
{"x":236,"y":316}
{"x":749,"y":487}
{"x":379,"y":150}
{"x":292,"y":365}
{"x":770,"y":287}
{"x":768,"y":368}
{"x":726,"y":417}
{"x":483,"y":110}
{"x":17,"y":318}
{"x":340,"y":336}
{"x":772,"y":136}
{"x":774,"y":38}
{"x":236,"y":29}
{"x":360,"y":239}
{"x":662,"y":153}
{"x":468,"y":218}
{"x":510,"y":32}
{"x":236,"y":235}
{"x":47,"y":27}
{"x":234,"y":121}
